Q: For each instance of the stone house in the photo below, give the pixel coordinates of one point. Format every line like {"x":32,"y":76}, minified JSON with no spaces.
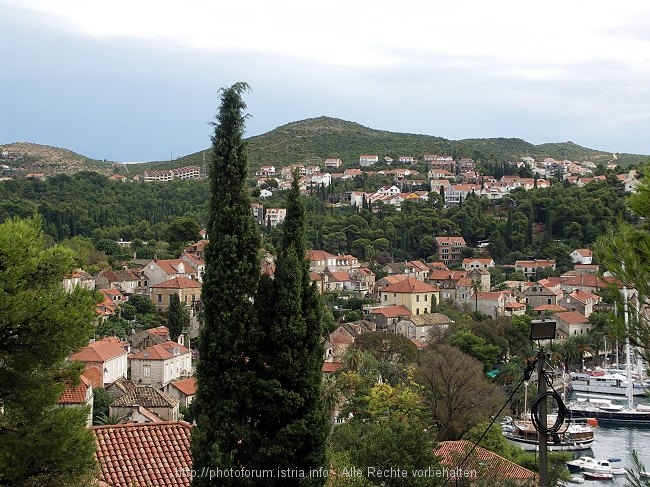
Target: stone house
{"x":160,"y":364}
{"x":386,"y":317}
{"x":344,"y":336}
{"x":571,"y":323}
{"x":183,"y":390}
{"x":421,"y":327}
{"x":154,"y":400}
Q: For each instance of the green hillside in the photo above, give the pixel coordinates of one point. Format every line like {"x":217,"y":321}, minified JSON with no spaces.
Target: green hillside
{"x":313,"y":140}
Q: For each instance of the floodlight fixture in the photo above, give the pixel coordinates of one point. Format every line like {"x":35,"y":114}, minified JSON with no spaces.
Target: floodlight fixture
{"x":542,"y":329}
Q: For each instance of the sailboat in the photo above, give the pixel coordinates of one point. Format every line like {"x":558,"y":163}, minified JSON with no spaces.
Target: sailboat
{"x":607,"y":411}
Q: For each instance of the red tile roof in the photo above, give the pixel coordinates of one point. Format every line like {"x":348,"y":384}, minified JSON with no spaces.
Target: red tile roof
{"x":186,"y":386}
{"x":99,"y":351}
{"x":313,"y":255}
{"x":180,"y":282}
{"x":143,"y":455}
{"x":161,"y":331}
{"x":482,"y":461}
{"x":329,"y":367}
{"x":391,"y":311}
{"x":572,"y":317}
{"x":76,"y":395}
{"x":162,"y":351}
{"x":410,"y":285}
{"x":549,"y":307}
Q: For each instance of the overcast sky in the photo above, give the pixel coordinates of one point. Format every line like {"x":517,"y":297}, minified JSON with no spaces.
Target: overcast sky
{"x":138,"y":80}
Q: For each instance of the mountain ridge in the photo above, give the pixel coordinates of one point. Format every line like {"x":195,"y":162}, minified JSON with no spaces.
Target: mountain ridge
{"x":312,"y":140}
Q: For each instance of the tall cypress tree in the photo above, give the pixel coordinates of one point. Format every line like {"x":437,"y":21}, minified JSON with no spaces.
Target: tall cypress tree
{"x":228,"y":365}
{"x":296,"y":429}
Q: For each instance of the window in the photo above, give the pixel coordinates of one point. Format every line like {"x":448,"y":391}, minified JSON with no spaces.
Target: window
{"x":426,"y":297}
{"x":426,"y":310}
{"x":385,"y":297}
{"x":417,"y":298}
{"x":146,"y":371}
{"x":417,"y":311}
{"x":549,"y":301}
{"x":159,"y":298}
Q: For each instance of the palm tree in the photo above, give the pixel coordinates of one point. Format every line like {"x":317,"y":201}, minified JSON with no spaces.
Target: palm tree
{"x":582,"y":346}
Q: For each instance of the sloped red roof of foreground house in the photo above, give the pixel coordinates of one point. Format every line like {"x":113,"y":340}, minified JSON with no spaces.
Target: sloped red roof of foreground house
{"x":144,"y":454}
{"x":483,"y":463}
{"x":76,"y":394}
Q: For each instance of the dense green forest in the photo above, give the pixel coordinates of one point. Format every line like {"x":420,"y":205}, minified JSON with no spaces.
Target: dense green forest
{"x":539,"y":223}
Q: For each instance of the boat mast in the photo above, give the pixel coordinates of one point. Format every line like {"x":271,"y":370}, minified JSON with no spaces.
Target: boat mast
{"x":627,"y":349}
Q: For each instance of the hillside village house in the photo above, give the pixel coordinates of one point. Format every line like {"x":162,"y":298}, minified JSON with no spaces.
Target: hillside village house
{"x":160,"y":364}
{"x":333,"y":162}
{"x":79,"y":278}
{"x":105,"y":361}
{"x":386,"y":317}
{"x":530,"y":267}
{"x":125,"y":281}
{"x":582,"y":256}
{"x":187,"y":172}
{"x":79,"y":396}
{"x":421,"y":327}
{"x":153,"y":400}
{"x":367,"y":160}
{"x":580,"y":301}
{"x":158,"y":271}
{"x":183,"y":390}
{"x":343,"y":337}
{"x":187,"y":290}
{"x":475,"y":263}
{"x":449,"y":249}
{"x":543,"y":292}
{"x":571,"y":323}
{"x":275,"y":216}
{"x":417,"y":296}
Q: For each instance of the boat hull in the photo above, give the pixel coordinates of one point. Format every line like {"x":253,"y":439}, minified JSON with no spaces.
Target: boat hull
{"x":609,"y":390}
{"x":632,"y":417}
{"x":532,"y":445}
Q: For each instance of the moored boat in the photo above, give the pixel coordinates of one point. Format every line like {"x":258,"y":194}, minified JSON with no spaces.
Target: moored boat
{"x":605,"y":410}
{"x":598,"y":476}
{"x":576,"y":437}
{"x":612,"y":384}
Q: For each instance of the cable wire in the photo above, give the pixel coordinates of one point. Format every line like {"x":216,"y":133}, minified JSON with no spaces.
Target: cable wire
{"x":527,"y":374}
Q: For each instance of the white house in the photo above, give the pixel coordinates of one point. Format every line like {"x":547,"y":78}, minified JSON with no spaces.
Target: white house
{"x":367,"y":160}
{"x":105,"y":361}
{"x":582,"y":256}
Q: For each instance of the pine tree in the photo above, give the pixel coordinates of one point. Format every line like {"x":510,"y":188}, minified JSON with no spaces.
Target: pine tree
{"x":228,"y":365}
{"x":41,"y":324}
{"x":296,"y":432}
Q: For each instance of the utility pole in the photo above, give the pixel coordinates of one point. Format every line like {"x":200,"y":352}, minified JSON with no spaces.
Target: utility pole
{"x":542,"y":436}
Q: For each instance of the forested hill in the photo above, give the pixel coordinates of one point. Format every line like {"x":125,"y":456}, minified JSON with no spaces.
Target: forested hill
{"x":313,"y":140}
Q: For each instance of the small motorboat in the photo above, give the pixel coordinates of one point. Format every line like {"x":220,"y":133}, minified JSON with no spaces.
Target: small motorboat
{"x":602,"y":466}
{"x":598,"y":476}
{"x":644,"y":474}
{"x":578,"y":464}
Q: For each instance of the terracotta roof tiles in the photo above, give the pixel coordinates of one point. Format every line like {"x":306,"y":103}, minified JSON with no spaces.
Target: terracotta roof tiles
{"x":77,"y":394}
{"x":143,"y":455}
{"x":186,"y":386}
{"x":483,"y":461}
{"x":410,"y":285}
{"x":161,"y":351}
{"x":99,"y":351}
{"x":180,"y":282}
